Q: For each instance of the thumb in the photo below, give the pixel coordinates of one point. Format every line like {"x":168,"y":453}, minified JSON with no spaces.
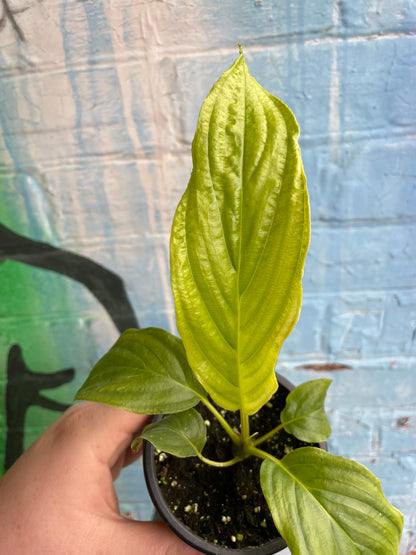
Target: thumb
{"x":144,"y":538}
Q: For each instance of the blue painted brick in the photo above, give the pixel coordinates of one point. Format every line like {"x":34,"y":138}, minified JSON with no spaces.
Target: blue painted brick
{"x":358,"y":325}
{"x":371,"y":384}
{"x":362,"y":17}
{"x":356,"y":258}
{"x":370,"y":180}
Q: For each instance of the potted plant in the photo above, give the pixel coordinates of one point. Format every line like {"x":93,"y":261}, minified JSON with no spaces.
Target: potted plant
{"x":238,"y":244}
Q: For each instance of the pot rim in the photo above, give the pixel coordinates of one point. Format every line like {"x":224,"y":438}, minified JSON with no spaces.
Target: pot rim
{"x":180,"y":529}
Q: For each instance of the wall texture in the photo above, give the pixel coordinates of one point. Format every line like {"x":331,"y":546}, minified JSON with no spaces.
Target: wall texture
{"x":98,"y":106}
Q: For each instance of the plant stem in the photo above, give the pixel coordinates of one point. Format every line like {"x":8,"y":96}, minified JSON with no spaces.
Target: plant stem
{"x":245,"y":427}
{"x":263,"y":455}
{"x":267,"y":436}
{"x":218,"y":463}
{"x":235,"y":438}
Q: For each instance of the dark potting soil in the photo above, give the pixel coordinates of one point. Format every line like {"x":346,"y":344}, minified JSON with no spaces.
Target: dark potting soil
{"x":226,"y":506}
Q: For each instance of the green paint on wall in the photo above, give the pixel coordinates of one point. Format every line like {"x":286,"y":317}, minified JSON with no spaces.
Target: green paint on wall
{"x":48,"y":315}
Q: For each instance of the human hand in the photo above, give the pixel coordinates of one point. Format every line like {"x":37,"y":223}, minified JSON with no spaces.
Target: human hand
{"x":59,"y":497}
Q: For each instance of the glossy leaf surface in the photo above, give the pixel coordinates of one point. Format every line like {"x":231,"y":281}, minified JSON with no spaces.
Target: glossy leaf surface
{"x":322,"y":503}
{"x":182,"y":434}
{"x":145,"y":371}
{"x":239,"y":239}
{"x":304,"y":414}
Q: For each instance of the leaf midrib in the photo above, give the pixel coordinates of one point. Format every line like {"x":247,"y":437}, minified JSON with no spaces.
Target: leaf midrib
{"x":238,"y":352}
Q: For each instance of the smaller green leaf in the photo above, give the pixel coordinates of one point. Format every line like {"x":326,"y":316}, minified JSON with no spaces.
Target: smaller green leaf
{"x":304,"y":414}
{"x":146,"y":371}
{"x":182,"y":434}
{"x":322,"y":503}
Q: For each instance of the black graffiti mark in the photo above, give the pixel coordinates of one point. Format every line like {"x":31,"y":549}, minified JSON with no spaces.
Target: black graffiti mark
{"x":23,"y":391}
{"x":107,"y":287}
{"x":23,"y":386}
{"x":8,"y":15}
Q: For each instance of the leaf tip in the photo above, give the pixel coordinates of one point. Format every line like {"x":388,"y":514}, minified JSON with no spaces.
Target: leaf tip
{"x":240,"y":49}
{"x":136,"y":445}
{"x":79,"y":395}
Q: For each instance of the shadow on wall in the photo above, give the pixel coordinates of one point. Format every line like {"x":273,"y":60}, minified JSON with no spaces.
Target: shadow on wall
{"x":23,"y":385}
{"x":9,"y":16}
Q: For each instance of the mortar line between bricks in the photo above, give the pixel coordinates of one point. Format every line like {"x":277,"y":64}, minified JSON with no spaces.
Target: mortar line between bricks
{"x":360,"y":292}
{"x":348,"y":137}
{"x":270,"y":42}
{"x":372,"y":363}
{"x":81,"y":242}
{"x":114,"y":158}
{"x":367,"y":223}
{"x":99,"y":160}
{"x":163,"y":236}
{"x":351,"y":137}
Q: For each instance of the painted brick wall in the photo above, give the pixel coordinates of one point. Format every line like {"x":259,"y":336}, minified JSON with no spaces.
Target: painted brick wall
{"x":98,"y":106}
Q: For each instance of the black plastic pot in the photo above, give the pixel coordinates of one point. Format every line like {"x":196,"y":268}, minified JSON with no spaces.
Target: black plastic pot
{"x":164,"y":513}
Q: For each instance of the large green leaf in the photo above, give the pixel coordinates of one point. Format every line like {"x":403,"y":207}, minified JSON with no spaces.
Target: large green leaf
{"x":304,"y":413}
{"x":145,"y":371}
{"x":322,"y":503}
{"x":239,"y":239}
{"x":182,"y":434}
